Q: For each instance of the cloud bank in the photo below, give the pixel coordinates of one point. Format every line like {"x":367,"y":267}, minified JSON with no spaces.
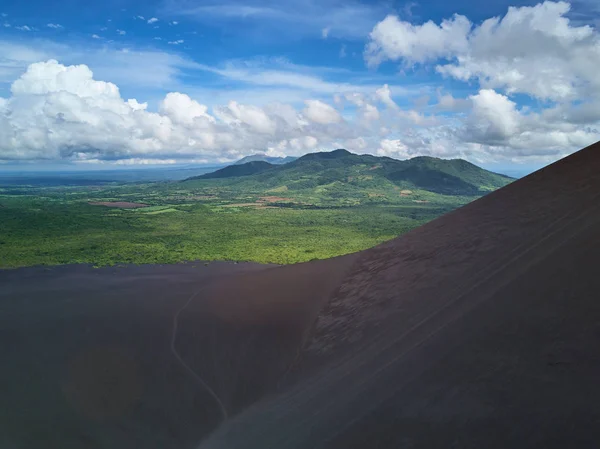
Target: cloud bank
{"x":534,"y":96}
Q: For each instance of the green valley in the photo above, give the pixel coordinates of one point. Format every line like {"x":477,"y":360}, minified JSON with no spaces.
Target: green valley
{"x":318,"y":206}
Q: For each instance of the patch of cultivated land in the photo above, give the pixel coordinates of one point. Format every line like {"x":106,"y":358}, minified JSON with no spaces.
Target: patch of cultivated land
{"x":335,"y":203}
{"x":119,"y":204}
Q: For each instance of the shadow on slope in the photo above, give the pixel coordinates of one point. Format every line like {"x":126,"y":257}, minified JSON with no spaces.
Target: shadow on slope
{"x":478,"y":329}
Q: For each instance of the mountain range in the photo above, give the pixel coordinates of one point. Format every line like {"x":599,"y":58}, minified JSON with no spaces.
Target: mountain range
{"x":340,"y":170}
{"x":263,"y":157}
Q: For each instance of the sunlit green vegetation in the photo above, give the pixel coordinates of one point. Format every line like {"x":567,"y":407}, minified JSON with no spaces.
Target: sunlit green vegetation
{"x":318,"y":210}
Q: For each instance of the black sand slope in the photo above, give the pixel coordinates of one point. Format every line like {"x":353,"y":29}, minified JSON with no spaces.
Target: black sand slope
{"x":478,"y":330}
{"x":149,"y":356}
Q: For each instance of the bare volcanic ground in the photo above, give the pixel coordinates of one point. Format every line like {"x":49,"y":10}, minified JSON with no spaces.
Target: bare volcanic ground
{"x":134,"y":356}
{"x":479,"y":329}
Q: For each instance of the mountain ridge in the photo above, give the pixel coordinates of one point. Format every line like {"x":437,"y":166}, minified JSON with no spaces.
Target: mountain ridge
{"x":341,"y":169}
{"x":235,"y":170}
{"x":263,"y":157}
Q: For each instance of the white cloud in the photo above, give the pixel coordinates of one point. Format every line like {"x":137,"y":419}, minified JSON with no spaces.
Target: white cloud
{"x":24,"y":28}
{"x":343,"y":51}
{"x":140,"y":17}
{"x":535,"y":50}
{"x":174,"y":22}
{"x":152,"y":20}
{"x":321,"y":113}
{"x":6,"y":25}
{"x":254,"y":117}
{"x":62,"y":112}
{"x":177,"y":42}
{"x":180,"y":108}
{"x":121,"y":32}
{"x":59,"y":111}
{"x":157,"y":38}
{"x":395,"y":39}
{"x":447,"y":102}
{"x":532,"y":50}
{"x":496,"y":122}
{"x":494,"y":117}
{"x":325,"y":32}
{"x":95,"y":36}
{"x":103,"y":28}
{"x":384,"y":94}
{"x":56,"y":26}
{"x":393,"y":148}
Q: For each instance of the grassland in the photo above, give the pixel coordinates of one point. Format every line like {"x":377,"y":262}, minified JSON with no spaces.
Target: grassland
{"x":311,"y":211}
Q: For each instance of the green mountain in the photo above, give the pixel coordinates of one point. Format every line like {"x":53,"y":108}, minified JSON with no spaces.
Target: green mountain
{"x":342,"y":170}
{"x":265,"y":158}
{"x":232,"y":171}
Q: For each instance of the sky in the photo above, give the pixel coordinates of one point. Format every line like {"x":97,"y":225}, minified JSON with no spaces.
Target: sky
{"x":130,"y":83}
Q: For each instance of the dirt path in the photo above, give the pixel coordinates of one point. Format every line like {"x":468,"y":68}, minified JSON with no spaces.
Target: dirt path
{"x":203,"y":384}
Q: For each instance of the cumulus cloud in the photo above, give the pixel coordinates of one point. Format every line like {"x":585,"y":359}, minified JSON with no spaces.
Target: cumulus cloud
{"x":24,"y":28}
{"x":496,"y":121}
{"x":177,"y":42}
{"x":253,"y":117}
{"x":321,"y":113}
{"x":384,"y":94}
{"x":447,"y":102}
{"x":121,"y":32}
{"x":532,"y":50}
{"x":152,"y":20}
{"x":395,"y":39}
{"x":62,"y":112}
{"x":494,"y":117}
{"x":182,"y":109}
{"x":56,"y":26}
{"x":536,"y":51}
{"x":58,"y":111}
{"x":95,"y":36}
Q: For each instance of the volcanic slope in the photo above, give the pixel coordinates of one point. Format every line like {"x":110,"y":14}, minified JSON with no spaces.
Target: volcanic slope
{"x":478,"y":329}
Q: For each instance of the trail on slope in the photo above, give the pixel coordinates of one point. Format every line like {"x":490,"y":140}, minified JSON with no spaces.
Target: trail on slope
{"x":202,"y":382}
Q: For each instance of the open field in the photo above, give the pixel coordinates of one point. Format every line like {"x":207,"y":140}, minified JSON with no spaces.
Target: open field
{"x":108,"y":225}
{"x":318,"y":206}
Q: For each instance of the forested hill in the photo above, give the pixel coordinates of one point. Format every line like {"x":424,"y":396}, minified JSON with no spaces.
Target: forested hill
{"x":344,"y":170}
{"x":265,"y":158}
{"x":232,"y":171}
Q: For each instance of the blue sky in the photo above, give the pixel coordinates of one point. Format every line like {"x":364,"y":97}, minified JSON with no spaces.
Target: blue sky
{"x":288,"y":77}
